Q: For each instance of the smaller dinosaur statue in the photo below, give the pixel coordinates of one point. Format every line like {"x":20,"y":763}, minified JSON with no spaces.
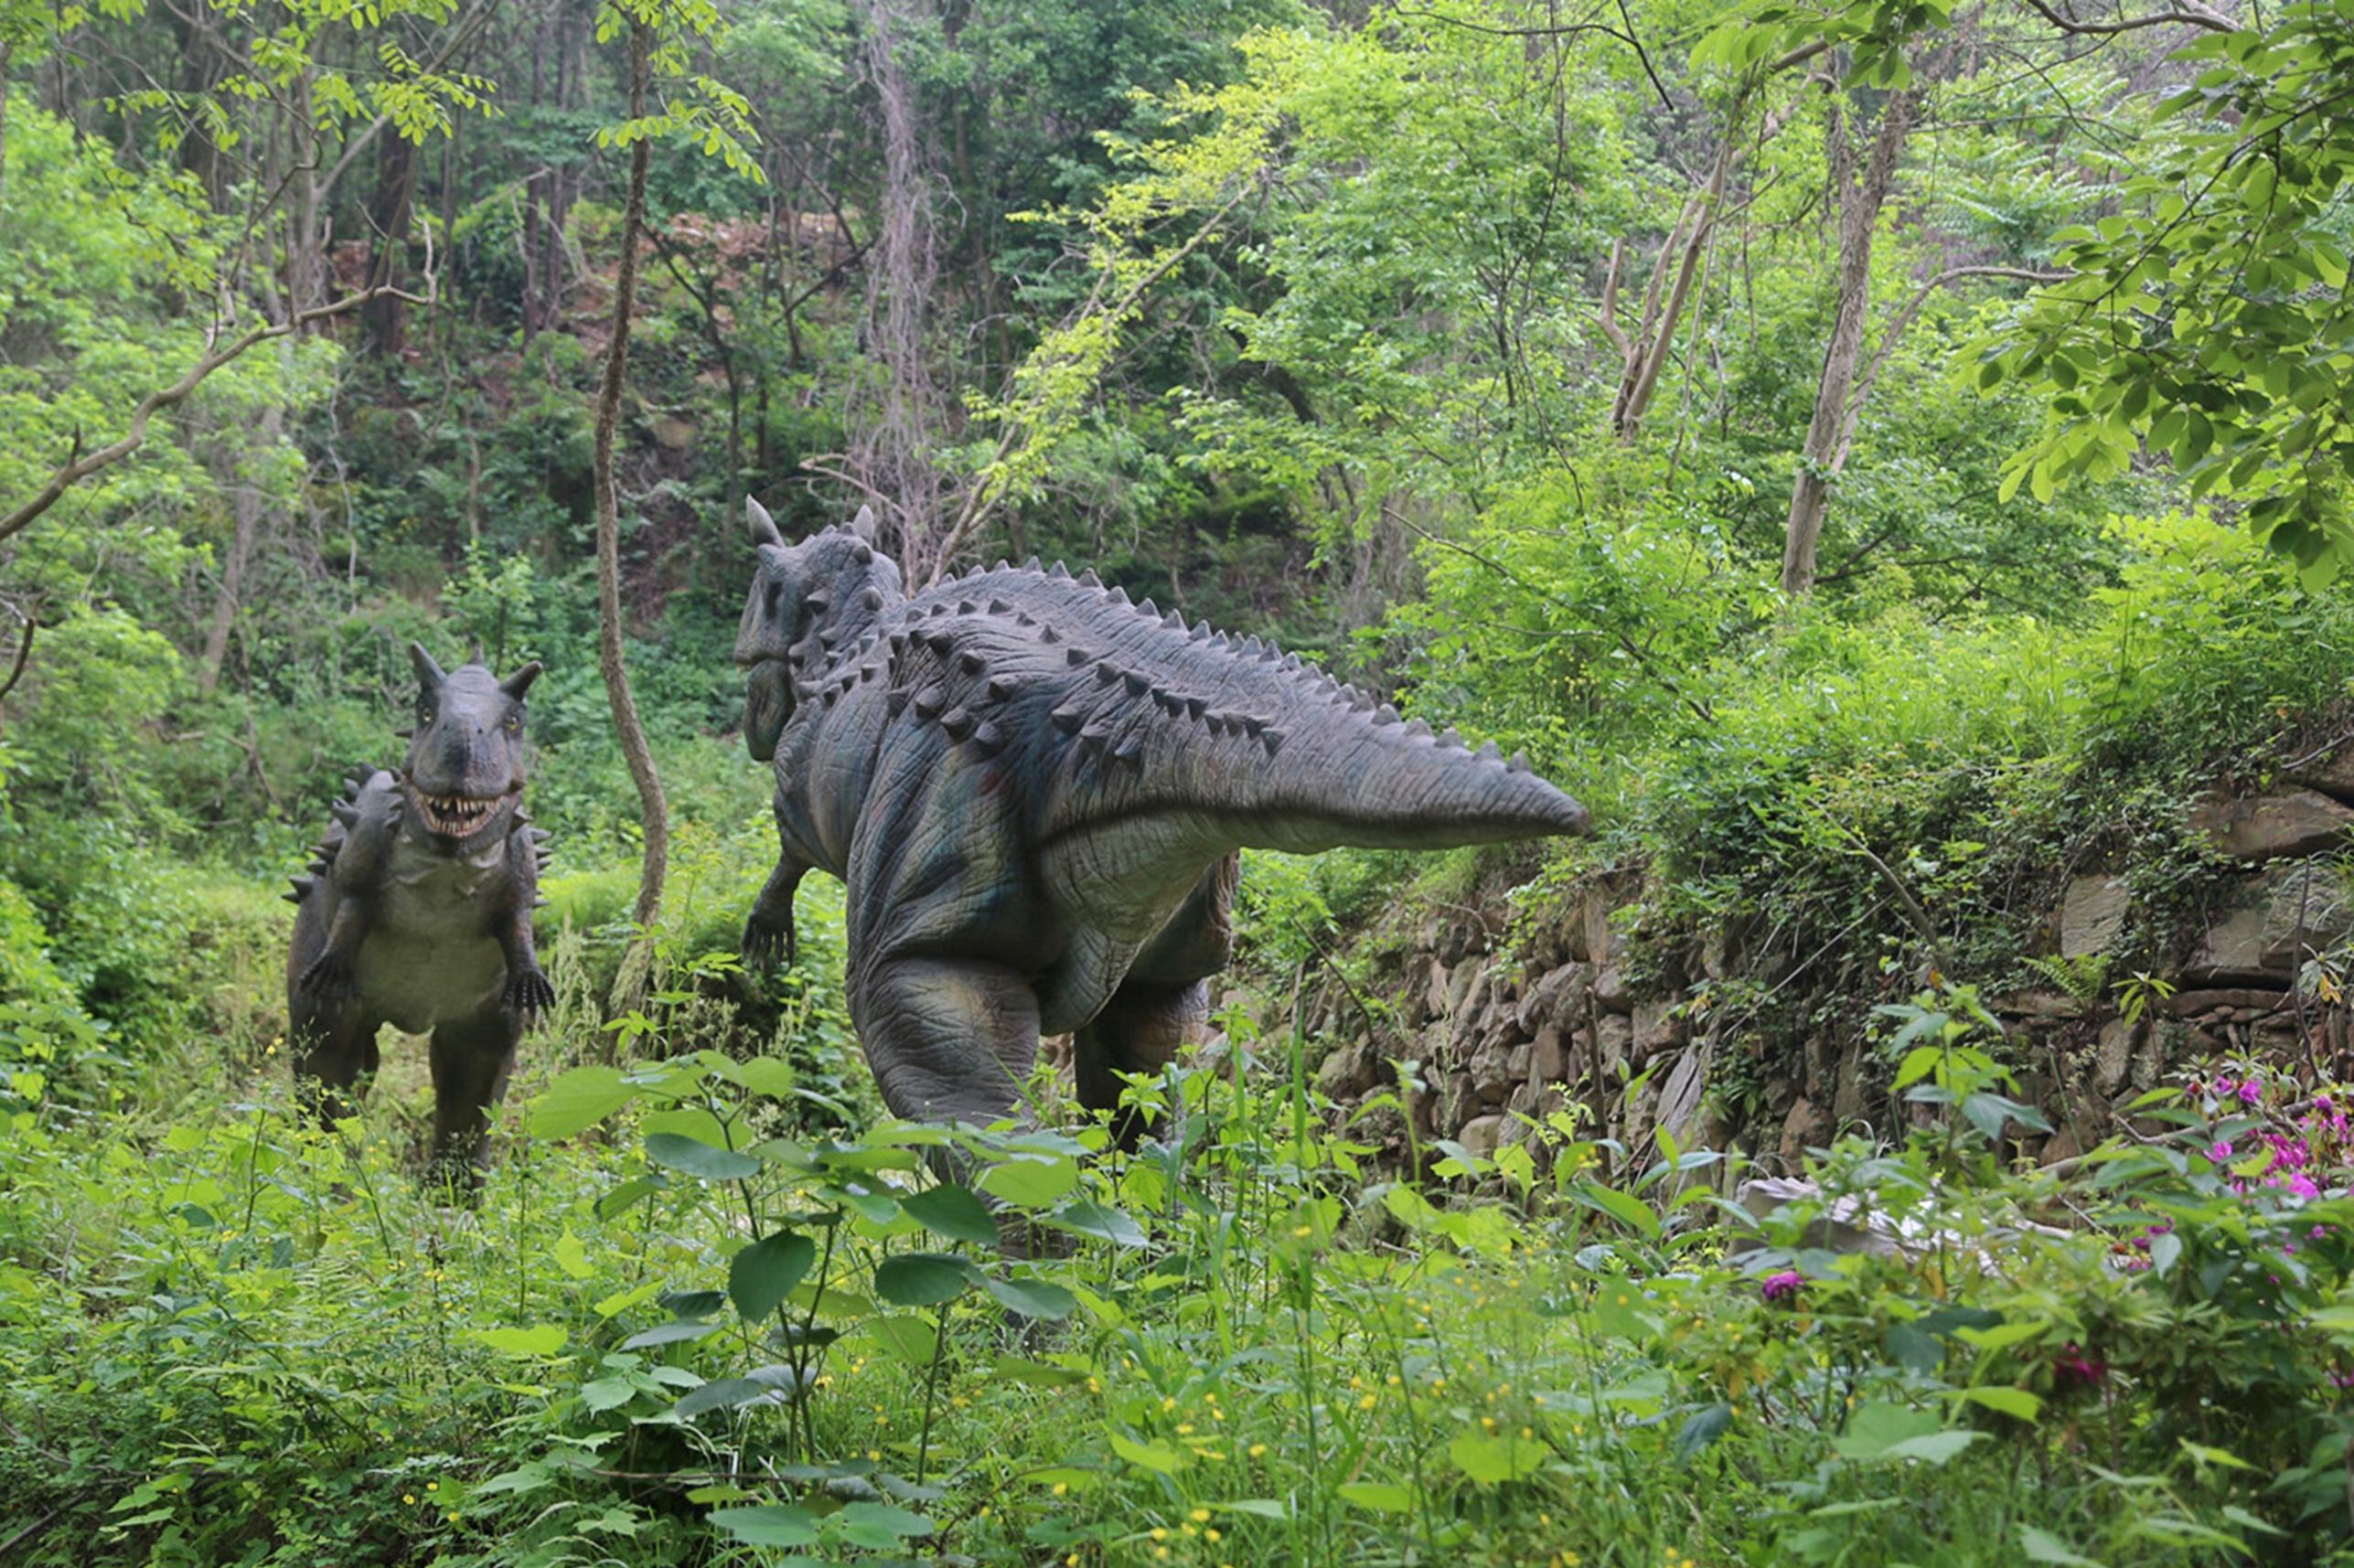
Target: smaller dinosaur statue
{"x":418,"y":912}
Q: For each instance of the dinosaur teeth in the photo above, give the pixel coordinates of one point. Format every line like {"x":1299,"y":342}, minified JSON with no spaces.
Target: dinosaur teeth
{"x":457,"y":816}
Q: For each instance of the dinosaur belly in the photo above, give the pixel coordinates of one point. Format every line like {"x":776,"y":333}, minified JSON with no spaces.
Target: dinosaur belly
{"x":417,"y":981}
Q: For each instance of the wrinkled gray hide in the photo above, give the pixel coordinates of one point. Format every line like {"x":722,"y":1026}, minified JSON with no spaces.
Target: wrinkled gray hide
{"x":1034,"y":791}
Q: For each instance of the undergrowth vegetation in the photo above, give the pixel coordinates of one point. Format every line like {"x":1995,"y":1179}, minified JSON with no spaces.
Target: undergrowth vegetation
{"x":708,"y":1310}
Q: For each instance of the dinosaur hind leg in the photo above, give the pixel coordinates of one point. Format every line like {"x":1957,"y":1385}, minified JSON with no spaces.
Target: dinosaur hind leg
{"x":472,"y":1058}
{"x":948,"y":1040}
{"x":334,"y":1040}
{"x":1160,"y":1004}
{"x":1138,"y":1030}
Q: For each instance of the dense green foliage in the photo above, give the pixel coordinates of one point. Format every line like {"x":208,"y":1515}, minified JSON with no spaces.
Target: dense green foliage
{"x":1491,"y":349}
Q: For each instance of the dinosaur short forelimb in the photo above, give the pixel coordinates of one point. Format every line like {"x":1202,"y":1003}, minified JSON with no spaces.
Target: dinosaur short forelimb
{"x":768,"y":932}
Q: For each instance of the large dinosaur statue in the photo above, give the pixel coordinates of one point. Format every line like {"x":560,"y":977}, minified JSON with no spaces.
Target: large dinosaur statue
{"x":1034,"y":791}
{"x":418,"y":911}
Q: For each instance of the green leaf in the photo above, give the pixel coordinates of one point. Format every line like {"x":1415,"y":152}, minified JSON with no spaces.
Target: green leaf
{"x":1095,"y":1220}
{"x":2043,"y":1548}
{"x":692,"y":1156}
{"x":878,"y":1525}
{"x":578,"y":1099}
{"x":920,"y":1279}
{"x":2011,"y":1402}
{"x":545,"y":1340}
{"x":771,"y":1524}
{"x":1381,"y":1497}
{"x":1156,"y":1456}
{"x":1492,"y":1460}
{"x":671,"y":1333}
{"x":906,"y":1337}
{"x":954,"y":1211}
{"x":1876,"y":1427}
{"x":1030,"y":1183}
{"x":1630,"y":1211}
{"x":1705,"y":1426}
{"x":1934,"y":1449}
{"x":763,"y":1275}
{"x":773,"y":1385}
{"x":1031,"y":1297}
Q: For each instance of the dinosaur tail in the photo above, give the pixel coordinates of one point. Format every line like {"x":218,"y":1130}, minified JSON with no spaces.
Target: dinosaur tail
{"x":1343,"y":778}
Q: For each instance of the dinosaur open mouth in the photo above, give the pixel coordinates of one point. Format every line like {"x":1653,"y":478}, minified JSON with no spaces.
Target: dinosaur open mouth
{"x":457,"y":815}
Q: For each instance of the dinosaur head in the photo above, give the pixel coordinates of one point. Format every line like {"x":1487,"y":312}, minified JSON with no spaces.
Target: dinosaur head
{"x":464,"y":777}
{"x":806,"y":599}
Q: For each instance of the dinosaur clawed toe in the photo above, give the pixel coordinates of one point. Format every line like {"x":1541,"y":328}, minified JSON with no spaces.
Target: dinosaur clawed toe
{"x":529,"y":992}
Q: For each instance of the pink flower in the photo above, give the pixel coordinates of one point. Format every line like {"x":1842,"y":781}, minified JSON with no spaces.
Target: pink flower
{"x":1782,"y":1288}
{"x":2073,"y":1368}
{"x":2219,"y":1151}
{"x":2302,"y":1185}
{"x":2250,"y":1092}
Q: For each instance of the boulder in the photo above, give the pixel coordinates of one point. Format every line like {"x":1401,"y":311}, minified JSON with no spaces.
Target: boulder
{"x":1679,"y":1097}
{"x":1557,"y":994}
{"x":2272,"y":826}
{"x":1658,"y":1029}
{"x":1807,"y":1127}
{"x":1614,"y":1042}
{"x":2092,"y":916}
{"x":2112,"y":1058}
{"x":1611,"y":989}
{"x":1548,"y":1058}
{"x":2268,"y":926}
{"x":1481,"y":1134}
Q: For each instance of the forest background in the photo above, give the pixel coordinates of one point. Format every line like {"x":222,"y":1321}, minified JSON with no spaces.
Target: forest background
{"x":1830,"y":437}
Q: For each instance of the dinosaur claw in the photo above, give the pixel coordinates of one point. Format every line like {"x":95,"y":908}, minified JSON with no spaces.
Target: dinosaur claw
{"x":764,"y":944}
{"x":529,"y":992}
{"x":328,"y":977}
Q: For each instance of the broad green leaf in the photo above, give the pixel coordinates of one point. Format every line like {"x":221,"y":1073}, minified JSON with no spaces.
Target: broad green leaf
{"x":692,"y":1156}
{"x":2040,"y":1547}
{"x":763,"y":1275}
{"x":1154,"y":1455}
{"x":1704,"y":1427}
{"x":545,"y":1340}
{"x":771,"y":1524}
{"x":906,"y":1337}
{"x":2012,"y":1402}
{"x":579,"y":1099}
{"x":1095,"y":1220}
{"x":1876,"y":1427}
{"x":1031,"y":1297}
{"x":954,"y":1211}
{"x":1492,"y":1460}
{"x":920,"y":1279}
{"x":1030,"y":1183}
{"x":880,"y":1525}
{"x":1935,"y":1448}
{"x":1381,"y":1497}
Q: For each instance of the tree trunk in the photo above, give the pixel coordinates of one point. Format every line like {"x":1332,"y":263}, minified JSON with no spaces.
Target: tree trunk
{"x":1824,"y":454}
{"x":247,"y":508}
{"x":655,"y":810}
{"x":389,"y":216}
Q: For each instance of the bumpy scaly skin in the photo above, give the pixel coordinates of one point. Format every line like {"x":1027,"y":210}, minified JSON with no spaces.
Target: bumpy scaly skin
{"x":418,"y":912}
{"x":1034,"y":791}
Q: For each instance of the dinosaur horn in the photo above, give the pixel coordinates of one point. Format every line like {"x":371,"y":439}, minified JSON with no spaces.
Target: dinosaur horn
{"x":863,"y":523}
{"x":429,"y":674}
{"x":764,"y":527}
{"x":516,"y":685}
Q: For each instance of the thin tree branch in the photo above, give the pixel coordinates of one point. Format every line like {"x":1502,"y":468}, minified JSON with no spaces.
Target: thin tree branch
{"x":2194,"y":16}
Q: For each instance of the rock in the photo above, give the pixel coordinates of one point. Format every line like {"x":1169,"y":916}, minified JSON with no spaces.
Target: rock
{"x":1847,"y":1084}
{"x":1548,"y":1058}
{"x":1658,"y":1029}
{"x":1611,"y":989}
{"x":2036,"y":1004}
{"x":2061,"y":1146}
{"x":2272,"y":826}
{"x":2149,"y":1062}
{"x":2332,"y":772}
{"x":1613,"y":1043}
{"x":2270,"y":925}
{"x":2190,"y":1004}
{"x":1557,"y":994}
{"x":1490,"y":1078}
{"x":1602,"y":942}
{"x":2113,"y":1056}
{"x":1481,"y":1134}
{"x":1434,"y":991}
{"x":1517,"y":1060}
{"x":1805,"y":1127}
{"x":1679,"y":1097}
{"x":1460,"y":989}
{"x":2092,"y":916}
{"x":1455,"y":942}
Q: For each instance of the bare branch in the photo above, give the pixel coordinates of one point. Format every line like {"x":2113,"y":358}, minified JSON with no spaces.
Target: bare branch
{"x":2190,"y":16}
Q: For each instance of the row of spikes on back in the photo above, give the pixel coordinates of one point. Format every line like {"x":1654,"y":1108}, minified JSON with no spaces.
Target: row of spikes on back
{"x":864,"y":661}
{"x":346,"y":812}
